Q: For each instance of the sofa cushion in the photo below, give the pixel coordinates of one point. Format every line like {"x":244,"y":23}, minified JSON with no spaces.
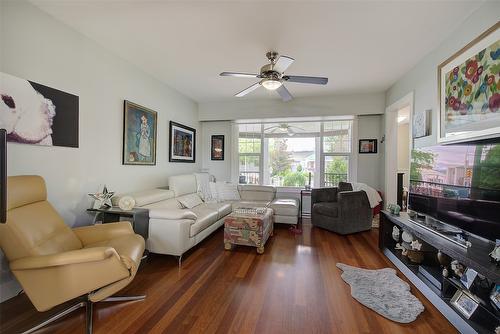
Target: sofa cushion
{"x":206,"y":216}
{"x":285,"y":206}
{"x":329,"y":209}
{"x":182,"y":184}
{"x":249,"y":192}
{"x":223,"y":209}
{"x":190,"y":201}
{"x":146,"y":197}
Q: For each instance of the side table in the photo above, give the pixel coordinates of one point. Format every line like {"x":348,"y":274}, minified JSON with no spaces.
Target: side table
{"x":140,"y":218}
{"x":304,"y":193}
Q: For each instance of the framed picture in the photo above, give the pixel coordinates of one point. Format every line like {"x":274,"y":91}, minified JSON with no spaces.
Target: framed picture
{"x":139,"y":135}
{"x":469,"y":90}
{"x":367,"y":146}
{"x":217,"y":147}
{"x":36,"y":114}
{"x":182,"y":143}
{"x":422,"y":123}
{"x":464,"y":303}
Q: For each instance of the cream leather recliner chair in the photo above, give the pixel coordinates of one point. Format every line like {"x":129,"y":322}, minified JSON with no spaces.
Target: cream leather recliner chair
{"x":54,"y":263}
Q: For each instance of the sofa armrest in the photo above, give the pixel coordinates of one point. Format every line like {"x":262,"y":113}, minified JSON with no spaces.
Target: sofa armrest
{"x":83,"y":255}
{"x":172,"y":214}
{"x":102,"y":232}
{"x":323,"y":195}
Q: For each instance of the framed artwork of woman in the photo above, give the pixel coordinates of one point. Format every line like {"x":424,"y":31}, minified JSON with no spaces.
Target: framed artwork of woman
{"x":139,"y":135}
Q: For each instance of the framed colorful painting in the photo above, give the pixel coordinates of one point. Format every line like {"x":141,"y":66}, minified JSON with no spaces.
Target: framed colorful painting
{"x":217,"y":147}
{"x":182,"y":143}
{"x":139,"y":135}
{"x":469,"y":90}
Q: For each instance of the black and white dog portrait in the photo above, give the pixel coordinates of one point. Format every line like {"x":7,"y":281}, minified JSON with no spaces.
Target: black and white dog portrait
{"x":36,"y":114}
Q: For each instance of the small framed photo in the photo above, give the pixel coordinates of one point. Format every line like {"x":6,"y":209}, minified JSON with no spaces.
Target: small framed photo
{"x":217,"y":147}
{"x":468,"y":278}
{"x":422,"y":123}
{"x":367,"y":146}
{"x":464,"y":303}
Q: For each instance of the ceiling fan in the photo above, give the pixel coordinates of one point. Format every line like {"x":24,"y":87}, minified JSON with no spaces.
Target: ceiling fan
{"x":273,"y":76}
{"x":284,"y":128}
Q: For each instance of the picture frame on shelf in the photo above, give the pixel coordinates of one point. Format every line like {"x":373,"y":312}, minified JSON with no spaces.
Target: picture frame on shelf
{"x":217,"y":147}
{"x":139,"y":135}
{"x":422,"y":123}
{"x":367,"y":146}
{"x":464,"y":303}
{"x":182,"y":143}
{"x":469,"y":92}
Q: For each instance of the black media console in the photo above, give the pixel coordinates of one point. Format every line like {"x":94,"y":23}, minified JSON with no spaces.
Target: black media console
{"x":427,"y":276}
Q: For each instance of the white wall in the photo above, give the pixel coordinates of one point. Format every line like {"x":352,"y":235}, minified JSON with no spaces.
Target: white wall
{"x":336,"y":105}
{"x":369,"y":164}
{"x":48,"y":52}
{"x":422,"y":79}
{"x":404,"y":151}
{"x":220,"y":169}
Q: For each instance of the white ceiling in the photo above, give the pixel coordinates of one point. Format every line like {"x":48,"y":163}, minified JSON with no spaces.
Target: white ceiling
{"x":361,"y":46}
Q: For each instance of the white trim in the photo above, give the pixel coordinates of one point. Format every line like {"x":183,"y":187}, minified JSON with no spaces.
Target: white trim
{"x":391,"y":155}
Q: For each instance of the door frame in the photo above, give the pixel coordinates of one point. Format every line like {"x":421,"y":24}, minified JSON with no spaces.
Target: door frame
{"x":391,"y":144}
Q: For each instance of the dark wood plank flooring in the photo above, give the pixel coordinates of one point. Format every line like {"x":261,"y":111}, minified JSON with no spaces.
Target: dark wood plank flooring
{"x":294,"y":287}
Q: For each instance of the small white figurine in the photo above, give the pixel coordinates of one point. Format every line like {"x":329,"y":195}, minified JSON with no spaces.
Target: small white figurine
{"x":445,"y":272}
{"x":416,"y":245}
{"x":457,"y":268}
{"x":495,"y":253}
{"x":395,"y":233}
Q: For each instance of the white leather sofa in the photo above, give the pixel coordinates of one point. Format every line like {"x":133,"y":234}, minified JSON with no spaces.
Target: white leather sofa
{"x":173,"y":229}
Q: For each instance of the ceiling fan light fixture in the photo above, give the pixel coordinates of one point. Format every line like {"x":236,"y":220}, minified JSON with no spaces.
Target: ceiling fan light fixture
{"x":271,"y":84}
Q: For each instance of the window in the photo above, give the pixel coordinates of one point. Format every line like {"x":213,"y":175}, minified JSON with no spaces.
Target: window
{"x":294,"y":153}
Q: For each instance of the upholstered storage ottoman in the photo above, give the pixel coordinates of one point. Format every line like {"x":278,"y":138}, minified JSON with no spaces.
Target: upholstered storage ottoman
{"x":286,"y":210}
{"x":248,"y":227}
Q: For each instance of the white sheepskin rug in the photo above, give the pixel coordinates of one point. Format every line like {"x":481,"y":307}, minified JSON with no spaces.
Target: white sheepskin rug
{"x":382,"y":291}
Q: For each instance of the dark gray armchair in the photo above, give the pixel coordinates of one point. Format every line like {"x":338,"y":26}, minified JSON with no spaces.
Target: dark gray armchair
{"x":341,"y":210}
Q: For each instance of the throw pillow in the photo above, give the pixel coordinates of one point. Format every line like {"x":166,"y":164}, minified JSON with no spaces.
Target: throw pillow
{"x":190,"y":201}
{"x":227,"y":191}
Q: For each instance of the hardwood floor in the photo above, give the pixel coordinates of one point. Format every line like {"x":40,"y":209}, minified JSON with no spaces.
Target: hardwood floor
{"x":294,"y":287}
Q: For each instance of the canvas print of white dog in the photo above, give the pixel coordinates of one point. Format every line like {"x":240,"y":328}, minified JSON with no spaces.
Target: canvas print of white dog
{"x":36,"y":114}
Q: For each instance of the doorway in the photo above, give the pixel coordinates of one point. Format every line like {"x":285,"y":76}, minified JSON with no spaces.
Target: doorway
{"x":398,"y":145}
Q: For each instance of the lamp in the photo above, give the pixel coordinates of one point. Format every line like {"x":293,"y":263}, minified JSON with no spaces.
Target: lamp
{"x":271,"y":83}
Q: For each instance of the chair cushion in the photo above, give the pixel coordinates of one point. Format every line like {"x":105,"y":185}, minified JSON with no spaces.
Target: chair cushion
{"x":285,"y":206}
{"x":329,"y":209}
{"x":190,"y":201}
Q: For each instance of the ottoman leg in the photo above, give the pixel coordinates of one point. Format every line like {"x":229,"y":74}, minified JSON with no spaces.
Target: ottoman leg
{"x":228,"y":246}
{"x":260,"y":250}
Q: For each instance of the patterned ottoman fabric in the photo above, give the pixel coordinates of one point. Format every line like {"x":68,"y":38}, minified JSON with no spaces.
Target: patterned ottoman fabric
{"x":248,"y":228}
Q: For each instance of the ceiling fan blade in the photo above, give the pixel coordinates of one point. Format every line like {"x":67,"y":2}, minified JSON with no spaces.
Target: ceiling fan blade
{"x":283,"y":63}
{"x":284,"y":93}
{"x":305,"y":79}
{"x":239,"y":75}
{"x":248,"y":90}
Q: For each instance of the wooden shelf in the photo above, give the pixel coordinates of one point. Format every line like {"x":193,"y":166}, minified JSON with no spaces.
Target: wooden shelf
{"x":484,"y":321}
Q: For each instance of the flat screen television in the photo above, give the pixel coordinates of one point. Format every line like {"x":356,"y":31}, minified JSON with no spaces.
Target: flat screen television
{"x":458,"y":185}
